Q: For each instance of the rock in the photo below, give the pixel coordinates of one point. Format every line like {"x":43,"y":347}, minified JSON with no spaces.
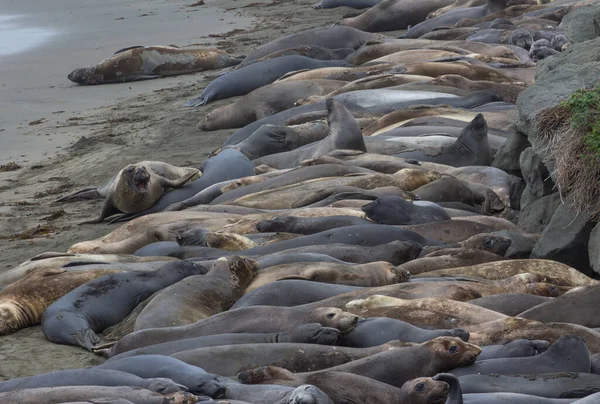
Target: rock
{"x":556,"y":79}
{"x":535,"y":217}
{"x":507,"y":156}
{"x":515,"y":192}
{"x":536,"y":177}
{"x":594,"y":249}
{"x":582,"y":24}
{"x":565,"y":239}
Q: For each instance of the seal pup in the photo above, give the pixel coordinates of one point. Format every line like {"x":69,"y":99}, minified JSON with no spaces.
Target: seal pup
{"x":23,"y":303}
{"x":200,"y":296}
{"x":249,"y":78}
{"x":398,"y":211}
{"x":444,"y":353}
{"x":75,"y":318}
{"x":470,"y":149}
{"x":344,"y":133}
{"x":151,"y":62}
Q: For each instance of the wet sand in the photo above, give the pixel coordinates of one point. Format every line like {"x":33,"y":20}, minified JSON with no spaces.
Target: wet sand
{"x":110,"y":125}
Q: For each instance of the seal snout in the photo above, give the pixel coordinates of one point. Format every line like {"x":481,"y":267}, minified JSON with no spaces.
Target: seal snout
{"x":141,"y":179}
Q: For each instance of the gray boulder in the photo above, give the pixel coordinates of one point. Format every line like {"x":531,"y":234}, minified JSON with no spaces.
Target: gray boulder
{"x":565,"y":239}
{"x":582,"y":24}
{"x":535,"y":217}
{"x":594,"y":249}
{"x":507,"y":156}
{"x":536,"y":177}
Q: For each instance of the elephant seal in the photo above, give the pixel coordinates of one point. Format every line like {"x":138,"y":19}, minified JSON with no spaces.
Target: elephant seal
{"x":229,"y":360}
{"x":303,"y":394}
{"x":377,"y":273}
{"x":251,"y":319}
{"x":196,"y":379}
{"x":375,"y":331}
{"x":450,"y":258}
{"x":75,"y":318}
{"x":312,"y":333}
{"x":335,"y":37}
{"x":444,"y":353}
{"x":426,"y":313}
{"x":567,"y":354}
{"x":344,"y":133}
{"x":244,"y":80}
{"x":227,"y":165}
{"x":308,"y":225}
{"x":520,"y":348}
{"x":511,"y":304}
{"x":311,"y":51}
{"x":391,"y":15}
{"x":136,"y":187}
{"x":265,"y":101}
{"x":91,"y":377}
{"x":358,"y":4}
{"x":200,"y":296}
{"x":397,"y":211}
{"x":151,"y":62}
{"x":508,"y":92}
{"x":575,"y":307}
{"x":72,"y":394}
{"x":445,"y":189}
{"x":453,"y":16}
{"x":22,"y":303}
{"x":471,"y":148}
{"x":553,"y":385}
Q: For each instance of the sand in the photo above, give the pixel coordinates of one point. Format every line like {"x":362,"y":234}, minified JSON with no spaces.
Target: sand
{"x":67,"y":136}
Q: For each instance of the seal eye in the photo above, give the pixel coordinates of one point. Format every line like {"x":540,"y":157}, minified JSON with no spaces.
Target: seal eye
{"x":453,"y":349}
{"x":488,"y":243}
{"x":420,"y":387}
{"x":331,"y":316}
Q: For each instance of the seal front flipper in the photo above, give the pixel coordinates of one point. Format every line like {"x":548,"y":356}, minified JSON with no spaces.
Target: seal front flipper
{"x":128,"y":48}
{"x":176,"y":183}
{"x":580,"y":393}
{"x":86,"y":338}
{"x":108,"y":210}
{"x":264,"y":374}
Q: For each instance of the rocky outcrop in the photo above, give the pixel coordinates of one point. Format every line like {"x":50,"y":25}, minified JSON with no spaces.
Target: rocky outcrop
{"x":582,"y":24}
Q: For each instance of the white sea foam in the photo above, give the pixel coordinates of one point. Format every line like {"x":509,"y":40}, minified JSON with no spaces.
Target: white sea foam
{"x":16,"y":37}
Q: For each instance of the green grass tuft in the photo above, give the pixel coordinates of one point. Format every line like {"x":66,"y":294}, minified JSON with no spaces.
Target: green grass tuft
{"x":584,"y":109}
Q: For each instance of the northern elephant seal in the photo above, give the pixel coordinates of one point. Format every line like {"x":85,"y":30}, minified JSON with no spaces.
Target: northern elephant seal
{"x":511,"y":304}
{"x":508,"y":92}
{"x":75,"y":318}
{"x":397,"y":211}
{"x":151,"y":62}
{"x":358,"y":4}
{"x":244,"y":80}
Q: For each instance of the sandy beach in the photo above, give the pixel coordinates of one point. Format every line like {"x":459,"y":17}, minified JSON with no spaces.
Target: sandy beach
{"x":66,"y":136}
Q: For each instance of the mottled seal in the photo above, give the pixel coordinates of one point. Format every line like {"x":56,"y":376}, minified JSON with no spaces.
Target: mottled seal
{"x":567,"y":354}
{"x":450,"y":258}
{"x":91,"y":377}
{"x":312,"y":333}
{"x":508,"y":92}
{"x":444,"y":353}
{"x":151,"y":62}
{"x":249,"y":78}
{"x":519,"y":348}
{"x":200,"y":296}
{"x":344,"y":133}
{"x":471,"y":148}
{"x":303,"y":394}
{"x":75,"y":318}
{"x":196,"y":379}
{"x":265,"y":101}
{"x":251,"y":319}
{"x":380,"y":330}
{"x":397,"y":211}
{"x":23,"y":303}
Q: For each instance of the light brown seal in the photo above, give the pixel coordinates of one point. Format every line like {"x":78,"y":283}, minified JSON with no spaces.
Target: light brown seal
{"x":450,"y":259}
{"x":509,"y":92}
{"x":197,"y":297}
{"x":423,"y":313}
{"x":377,"y":273}
{"x":23,"y":303}
{"x":472,"y":72}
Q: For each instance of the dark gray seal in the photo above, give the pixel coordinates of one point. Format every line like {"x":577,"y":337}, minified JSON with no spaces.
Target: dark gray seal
{"x":379,"y":330}
{"x":313,"y":333}
{"x":75,"y":318}
{"x":398,"y":211}
{"x":567,"y":354}
{"x":358,"y":4}
{"x":196,"y":379}
{"x":329,"y":38}
{"x":308,"y":225}
{"x":344,"y":133}
{"x":244,"y":80}
{"x":292,"y":292}
{"x":519,"y":348}
{"x":227,"y":165}
{"x":445,"y":189}
{"x":91,"y":377}
{"x":472,"y":148}
{"x":453,"y":16}
{"x":511,"y":304}
{"x":521,"y":38}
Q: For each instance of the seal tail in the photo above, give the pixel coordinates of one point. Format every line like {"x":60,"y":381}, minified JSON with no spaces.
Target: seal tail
{"x":86,"y":193}
{"x":264,"y":374}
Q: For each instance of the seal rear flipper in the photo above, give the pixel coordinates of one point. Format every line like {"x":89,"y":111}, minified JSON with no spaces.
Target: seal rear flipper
{"x":196,"y":102}
{"x":264,"y":374}
{"x":86,"y":193}
{"x":579,"y":393}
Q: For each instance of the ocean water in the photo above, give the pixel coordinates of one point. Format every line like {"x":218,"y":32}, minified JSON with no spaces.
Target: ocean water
{"x":17,"y":37}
